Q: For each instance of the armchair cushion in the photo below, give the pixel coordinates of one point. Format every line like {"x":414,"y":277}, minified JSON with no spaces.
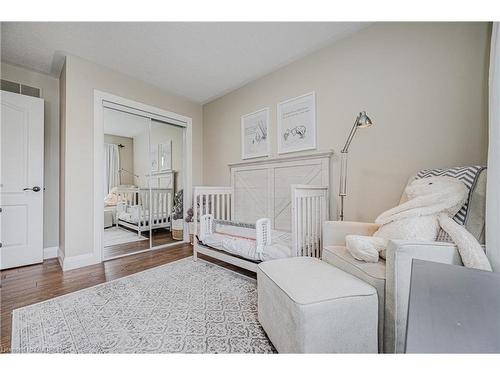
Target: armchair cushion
{"x":339,"y":256}
{"x":334,"y":232}
{"x":371,"y":273}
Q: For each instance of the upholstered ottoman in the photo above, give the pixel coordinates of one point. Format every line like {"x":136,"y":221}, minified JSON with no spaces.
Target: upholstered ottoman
{"x":308,"y":306}
{"x":371,"y":273}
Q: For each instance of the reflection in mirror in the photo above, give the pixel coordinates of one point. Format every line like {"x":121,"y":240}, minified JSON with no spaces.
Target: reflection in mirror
{"x":166,"y":183}
{"x":126,"y":149}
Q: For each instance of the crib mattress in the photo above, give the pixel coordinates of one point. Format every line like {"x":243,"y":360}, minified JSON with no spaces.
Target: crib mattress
{"x":144,"y":219}
{"x":281,"y":245}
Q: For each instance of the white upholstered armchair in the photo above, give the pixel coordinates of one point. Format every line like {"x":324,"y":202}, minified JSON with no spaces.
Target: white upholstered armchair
{"x":391,"y":277}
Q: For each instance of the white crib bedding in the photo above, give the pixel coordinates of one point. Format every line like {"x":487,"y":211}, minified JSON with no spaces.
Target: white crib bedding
{"x":241,"y":242}
{"x":134,"y":218}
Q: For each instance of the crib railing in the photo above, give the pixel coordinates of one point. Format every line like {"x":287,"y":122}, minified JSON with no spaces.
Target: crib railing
{"x":162,"y":203}
{"x":309,"y":211}
{"x":127,"y":196}
{"x":214,"y":200}
{"x":155,"y":208}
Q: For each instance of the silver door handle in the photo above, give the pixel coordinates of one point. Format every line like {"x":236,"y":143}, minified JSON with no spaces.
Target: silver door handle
{"x":34,"y":188}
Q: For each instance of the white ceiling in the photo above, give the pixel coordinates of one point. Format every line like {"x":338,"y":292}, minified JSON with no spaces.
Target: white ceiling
{"x":199,"y":61}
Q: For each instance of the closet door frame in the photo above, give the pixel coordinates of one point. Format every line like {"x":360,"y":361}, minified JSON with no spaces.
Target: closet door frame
{"x":135,"y":107}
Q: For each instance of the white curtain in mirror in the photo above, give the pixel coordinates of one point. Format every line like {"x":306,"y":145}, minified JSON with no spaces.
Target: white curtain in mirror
{"x":111,"y":167}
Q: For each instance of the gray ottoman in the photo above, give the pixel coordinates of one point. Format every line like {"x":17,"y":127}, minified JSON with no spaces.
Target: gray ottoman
{"x":308,"y":306}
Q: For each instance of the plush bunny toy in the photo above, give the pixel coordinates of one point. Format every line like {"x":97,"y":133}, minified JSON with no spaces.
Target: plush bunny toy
{"x":432,"y":203}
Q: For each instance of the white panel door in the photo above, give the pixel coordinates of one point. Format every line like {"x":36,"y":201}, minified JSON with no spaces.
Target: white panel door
{"x":21,"y":180}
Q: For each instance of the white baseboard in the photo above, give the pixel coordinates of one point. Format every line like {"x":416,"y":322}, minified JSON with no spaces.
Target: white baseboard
{"x":50,"y":252}
{"x":70,"y":263}
{"x":60,"y":257}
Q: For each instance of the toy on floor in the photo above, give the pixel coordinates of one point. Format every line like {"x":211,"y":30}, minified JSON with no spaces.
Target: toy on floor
{"x":432,"y":204}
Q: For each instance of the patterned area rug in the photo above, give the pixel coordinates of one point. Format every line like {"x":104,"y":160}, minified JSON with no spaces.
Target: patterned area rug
{"x":116,"y":235}
{"x":180,"y":307}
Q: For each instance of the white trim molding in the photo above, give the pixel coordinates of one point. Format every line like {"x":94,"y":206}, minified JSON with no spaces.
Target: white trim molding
{"x":298,"y":156}
{"x":50,"y":252}
{"x":78,"y":261}
{"x":492,"y":192}
{"x":60,"y":257}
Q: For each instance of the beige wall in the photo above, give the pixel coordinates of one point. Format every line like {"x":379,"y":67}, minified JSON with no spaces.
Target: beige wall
{"x":82,"y":77}
{"x":49,"y":88}
{"x":423,"y":84}
{"x":126,"y":156}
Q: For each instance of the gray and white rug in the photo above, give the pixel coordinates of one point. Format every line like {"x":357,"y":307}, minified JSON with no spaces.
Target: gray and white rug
{"x":116,"y":235}
{"x":180,"y":307}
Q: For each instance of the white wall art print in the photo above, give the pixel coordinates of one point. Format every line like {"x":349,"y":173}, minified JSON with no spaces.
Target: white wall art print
{"x":165,"y":161}
{"x":297,"y":124}
{"x":255,"y":134}
{"x":154,"y":159}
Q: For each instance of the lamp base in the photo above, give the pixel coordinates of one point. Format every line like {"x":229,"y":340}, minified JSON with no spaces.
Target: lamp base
{"x":341,"y":216}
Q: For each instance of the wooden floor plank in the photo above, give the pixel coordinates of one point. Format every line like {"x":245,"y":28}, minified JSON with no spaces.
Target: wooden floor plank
{"x":31,"y":284}
{"x":160,"y":237}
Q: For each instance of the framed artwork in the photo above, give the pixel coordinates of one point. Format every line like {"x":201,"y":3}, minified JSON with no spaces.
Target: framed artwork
{"x":255,"y":134}
{"x":165,"y":150}
{"x":154,"y":159}
{"x":297,"y":124}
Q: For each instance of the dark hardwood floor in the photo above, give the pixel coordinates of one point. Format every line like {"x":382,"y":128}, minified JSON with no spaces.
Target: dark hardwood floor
{"x":31,"y":284}
{"x":160,"y":237}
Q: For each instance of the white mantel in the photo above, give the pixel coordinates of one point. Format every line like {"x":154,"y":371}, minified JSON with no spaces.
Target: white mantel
{"x":288,"y":157}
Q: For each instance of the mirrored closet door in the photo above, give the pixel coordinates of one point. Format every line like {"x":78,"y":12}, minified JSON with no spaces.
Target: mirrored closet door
{"x":143,"y":205}
{"x":166,"y":183}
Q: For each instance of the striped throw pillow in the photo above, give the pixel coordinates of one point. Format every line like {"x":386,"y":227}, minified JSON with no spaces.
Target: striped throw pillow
{"x":469,"y":176}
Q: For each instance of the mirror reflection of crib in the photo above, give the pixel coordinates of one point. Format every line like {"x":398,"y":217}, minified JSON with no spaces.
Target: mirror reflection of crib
{"x":137,"y":208}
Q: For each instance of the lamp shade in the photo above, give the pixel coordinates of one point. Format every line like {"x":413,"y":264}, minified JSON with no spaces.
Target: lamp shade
{"x":363,"y":120}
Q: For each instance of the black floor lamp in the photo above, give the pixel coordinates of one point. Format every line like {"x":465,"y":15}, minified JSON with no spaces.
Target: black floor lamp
{"x":362,"y":121}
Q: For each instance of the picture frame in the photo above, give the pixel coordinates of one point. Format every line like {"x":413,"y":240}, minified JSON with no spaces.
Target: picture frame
{"x":255,"y":134}
{"x":296,"y":118}
{"x":165,"y":156}
{"x":154,"y":159}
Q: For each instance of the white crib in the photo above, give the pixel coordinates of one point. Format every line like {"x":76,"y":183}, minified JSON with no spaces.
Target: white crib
{"x":137,"y":208}
{"x":309,"y":208}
